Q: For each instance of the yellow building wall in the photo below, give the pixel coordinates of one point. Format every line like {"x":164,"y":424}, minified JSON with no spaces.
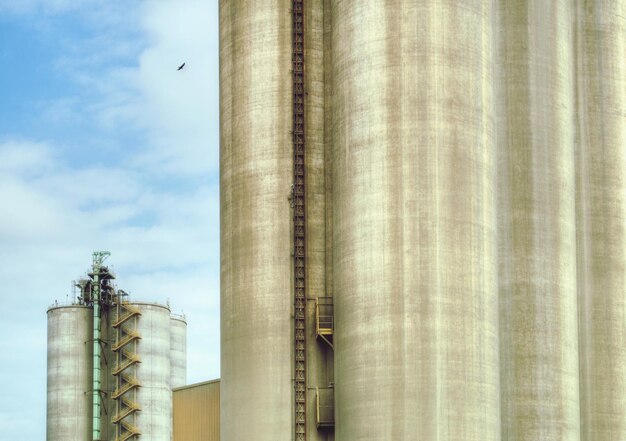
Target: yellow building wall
{"x":197,"y":412}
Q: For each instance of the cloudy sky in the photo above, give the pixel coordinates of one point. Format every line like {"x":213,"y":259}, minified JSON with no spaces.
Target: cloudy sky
{"x":105,"y":146}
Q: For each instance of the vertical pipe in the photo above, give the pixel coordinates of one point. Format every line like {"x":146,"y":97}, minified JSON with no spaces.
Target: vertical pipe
{"x":536,"y":220}
{"x":601,"y":216}
{"x":414,"y":225}
{"x":97,"y":349}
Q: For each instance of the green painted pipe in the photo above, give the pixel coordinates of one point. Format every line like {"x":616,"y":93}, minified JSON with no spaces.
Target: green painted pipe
{"x":98,"y":258}
{"x":97,"y":349}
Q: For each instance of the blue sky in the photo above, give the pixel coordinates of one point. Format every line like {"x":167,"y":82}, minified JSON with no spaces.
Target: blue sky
{"x":105,"y":146}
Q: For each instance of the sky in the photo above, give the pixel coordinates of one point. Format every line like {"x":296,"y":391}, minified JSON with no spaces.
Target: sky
{"x":104,"y":145}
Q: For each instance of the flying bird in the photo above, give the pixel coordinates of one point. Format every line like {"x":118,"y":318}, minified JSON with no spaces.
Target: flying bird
{"x":181,"y":66}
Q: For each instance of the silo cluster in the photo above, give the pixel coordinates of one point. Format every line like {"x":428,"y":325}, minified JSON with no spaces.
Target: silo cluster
{"x":143,"y":357}
{"x":464,"y":216}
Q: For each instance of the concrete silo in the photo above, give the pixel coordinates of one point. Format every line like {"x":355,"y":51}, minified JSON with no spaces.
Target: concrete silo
{"x":153,"y":396}
{"x":133,"y":376}
{"x":455,"y":173}
{"x":178,"y":351}
{"x":414,"y":235}
{"x":601,"y":216}
{"x":537,"y":224}
{"x":69,"y":373}
{"x":256,"y":220}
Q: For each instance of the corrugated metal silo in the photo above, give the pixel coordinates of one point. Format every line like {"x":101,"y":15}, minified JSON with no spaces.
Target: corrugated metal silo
{"x":178,"y":351}
{"x":256,"y":170}
{"x":69,"y":373}
{"x":601,"y":204}
{"x":414,"y":234}
{"x":537,"y":254}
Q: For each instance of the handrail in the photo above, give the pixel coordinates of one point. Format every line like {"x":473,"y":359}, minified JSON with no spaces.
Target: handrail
{"x":131,"y":334}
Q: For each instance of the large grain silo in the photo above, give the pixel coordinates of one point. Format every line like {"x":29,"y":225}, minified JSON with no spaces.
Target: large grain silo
{"x":69,"y":373}
{"x":600,"y":41}
{"x":423,"y":220}
{"x":153,"y":394}
{"x":116,"y":358}
{"x":256,"y":177}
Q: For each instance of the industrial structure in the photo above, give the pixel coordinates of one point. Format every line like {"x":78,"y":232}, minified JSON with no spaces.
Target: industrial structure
{"x":112,"y":364}
{"x":423,"y":220}
{"x":197,"y":412}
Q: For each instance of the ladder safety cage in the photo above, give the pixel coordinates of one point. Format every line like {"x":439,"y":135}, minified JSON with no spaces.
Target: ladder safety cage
{"x":299,"y":221}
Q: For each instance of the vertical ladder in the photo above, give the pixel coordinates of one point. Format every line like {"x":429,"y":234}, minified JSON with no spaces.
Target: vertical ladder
{"x":299,"y":219}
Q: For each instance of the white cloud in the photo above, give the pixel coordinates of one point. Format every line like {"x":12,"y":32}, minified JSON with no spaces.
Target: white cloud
{"x":155,"y":207}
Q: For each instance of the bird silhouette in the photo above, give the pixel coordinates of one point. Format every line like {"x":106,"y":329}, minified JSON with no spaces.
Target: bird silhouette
{"x":181,"y":66}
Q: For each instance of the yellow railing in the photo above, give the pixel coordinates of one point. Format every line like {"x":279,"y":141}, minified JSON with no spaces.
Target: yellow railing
{"x":324,"y":319}
{"x":131,"y":407}
{"x":325,"y":406}
{"x":131,"y":334}
{"x":132,"y":311}
{"x":130,"y":431}
{"x":130,"y":359}
{"x":130,"y":383}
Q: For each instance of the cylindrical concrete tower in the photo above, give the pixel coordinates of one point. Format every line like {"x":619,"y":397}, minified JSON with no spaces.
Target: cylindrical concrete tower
{"x":256,"y":170}
{"x":536,"y":218}
{"x":601,"y":220}
{"x":155,"y":394}
{"x":414,"y":234}
{"x":178,"y":351}
{"x":69,"y":373}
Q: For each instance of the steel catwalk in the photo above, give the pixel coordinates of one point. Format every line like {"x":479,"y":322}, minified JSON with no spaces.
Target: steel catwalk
{"x":256,"y":175}
{"x":601,"y":217}
{"x":537,"y":246}
{"x":69,"y":373}
{"x":178,"y":351}
{"x":414,"y":234}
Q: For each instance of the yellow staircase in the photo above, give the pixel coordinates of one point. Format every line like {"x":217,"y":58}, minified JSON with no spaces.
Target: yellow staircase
{"x":129,"y":432}
{"x":129,"y":359}
{"x":129,"y":408}
{"x":125,"y":347}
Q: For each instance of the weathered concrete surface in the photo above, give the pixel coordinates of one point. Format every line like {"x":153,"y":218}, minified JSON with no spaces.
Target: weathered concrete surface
{"x":601,"y":216}
{"x":536,"y":215}
{"x":319,"y":355}
{"x":69,"y":373}
{"x":466,"y":209}
{"x":414,"y":235}
{"x":256,"y":170}
{"x":178,"y":351}
{"x":155,"y":394}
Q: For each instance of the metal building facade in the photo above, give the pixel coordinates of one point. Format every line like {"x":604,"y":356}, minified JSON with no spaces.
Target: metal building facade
{"x":197,"y":412}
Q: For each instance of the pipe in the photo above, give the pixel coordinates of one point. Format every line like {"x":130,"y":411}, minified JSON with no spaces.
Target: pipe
{"x":98,"y":258}
{"x":97,"y":349}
